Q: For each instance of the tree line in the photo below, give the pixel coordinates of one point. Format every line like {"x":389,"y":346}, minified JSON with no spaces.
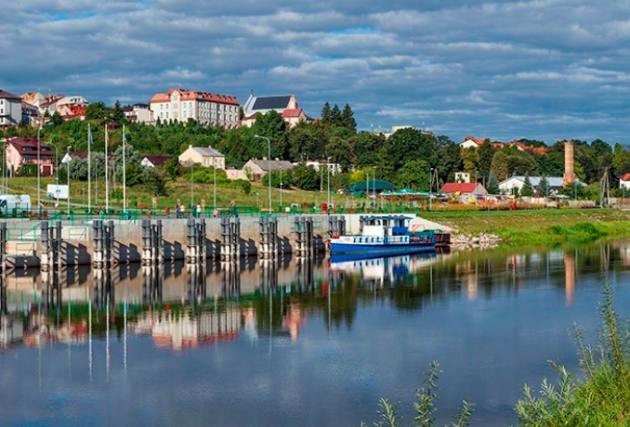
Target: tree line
{"x":408,"y":158}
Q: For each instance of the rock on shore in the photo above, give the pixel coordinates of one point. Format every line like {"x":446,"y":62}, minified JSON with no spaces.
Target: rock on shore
{"x":481,"y":241}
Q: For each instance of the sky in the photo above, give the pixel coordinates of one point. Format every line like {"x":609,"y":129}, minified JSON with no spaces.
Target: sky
{"x":545,"y":69}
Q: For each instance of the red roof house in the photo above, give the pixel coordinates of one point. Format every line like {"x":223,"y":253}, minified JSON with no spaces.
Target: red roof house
{"x":463,"y":188}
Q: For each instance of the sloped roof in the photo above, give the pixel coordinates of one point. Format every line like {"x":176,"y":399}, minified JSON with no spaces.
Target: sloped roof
{"x":78,"y":154}
{"x":158,"y":160}
{"x":207,"y":151}
{"x":274,"y":165}
{"x":378,"y":185}
{"x":191,"y":95}
{"x":8,"y":95}
{"x":292,"y":113}
{"x":28,"y":146}
{"x":553,"y":181}
{"x":271,"y":102}
{"x":459,"y":187}
{"x":626,"y":177}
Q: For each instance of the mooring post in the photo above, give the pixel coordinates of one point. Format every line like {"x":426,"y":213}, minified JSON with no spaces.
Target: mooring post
{"x":146,"y":242}
{"x":235,"y":236}
{"x":44,"y":238}
{"x":110,"y":242}
{"x":97,"y":243}
{"x":58,"y":246}
{"x":3,"y":246}
{"x":159,"y":242}
{"x":191,"y":256}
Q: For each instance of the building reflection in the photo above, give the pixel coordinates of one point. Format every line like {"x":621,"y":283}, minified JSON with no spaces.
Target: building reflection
{"x":185,"y":307}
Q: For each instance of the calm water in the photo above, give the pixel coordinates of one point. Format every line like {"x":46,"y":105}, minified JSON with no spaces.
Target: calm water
{"x":296,"y":344}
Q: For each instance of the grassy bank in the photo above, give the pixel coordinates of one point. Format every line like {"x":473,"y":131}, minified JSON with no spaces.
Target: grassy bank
{"x":540,"y":227}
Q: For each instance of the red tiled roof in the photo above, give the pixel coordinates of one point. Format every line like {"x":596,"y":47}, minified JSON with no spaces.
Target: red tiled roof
{"x":292,"y":113}
{"x":459,"y":187}
{"x":8,"y":95}
{"x":626,"y":177}
{"x":76,"y":110}
{"x":186,"y":95}
{"x":79,"y":154}
{"x":28,"y":146}
{"x":478,"y":141}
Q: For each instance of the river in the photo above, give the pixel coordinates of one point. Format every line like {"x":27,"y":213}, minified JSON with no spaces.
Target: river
{"x":299,"y":343}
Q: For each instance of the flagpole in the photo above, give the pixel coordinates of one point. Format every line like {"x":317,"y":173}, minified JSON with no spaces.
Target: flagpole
{"x":89,"y":169}
{"x":124,"y":142}
{"x":106,"y":173}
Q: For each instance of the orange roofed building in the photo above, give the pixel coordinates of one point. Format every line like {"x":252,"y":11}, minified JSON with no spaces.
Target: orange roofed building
{"x":181,"y":105}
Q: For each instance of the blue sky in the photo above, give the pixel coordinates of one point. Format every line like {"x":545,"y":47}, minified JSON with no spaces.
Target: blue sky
{"x":545,"y":69}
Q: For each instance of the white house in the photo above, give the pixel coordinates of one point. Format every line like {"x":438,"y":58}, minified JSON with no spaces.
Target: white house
{"x":624,"y":182}
{"x":139,"y":113}
{"x":155,"y":161}
{"x":10,"y":109}
{"x":287,"y":106}
{"x":462,"y":177}
{"x":255,"y":169}
{"x":334,"y":168}
{"x":471,"y":142}
{"x":180,"y":105}
{"x":204,"y":156}
{"x":514,"y":183}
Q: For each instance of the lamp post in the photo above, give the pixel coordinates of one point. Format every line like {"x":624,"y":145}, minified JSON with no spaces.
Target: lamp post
{"x":214,"y":186}
{"x":89,"y":168}
{"x":68,"y":175}
{"x":430,"y":187}
{"x":192,"y":181}
{"x":124,"y":171}
{"x":268,"y":164}
{"x":39,"y":209}
{"x":57,"y":175}
{"x":328,"y":182}
{"x":106,"y":172}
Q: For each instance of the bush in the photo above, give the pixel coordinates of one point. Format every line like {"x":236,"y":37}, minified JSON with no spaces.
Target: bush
{"x":246,"y":186}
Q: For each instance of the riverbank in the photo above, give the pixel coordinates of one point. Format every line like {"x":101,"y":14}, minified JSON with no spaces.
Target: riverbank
{"x":544,"y":227}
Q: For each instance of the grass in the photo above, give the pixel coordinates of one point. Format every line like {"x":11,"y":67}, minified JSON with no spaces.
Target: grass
{"x":539,"y":227}
{"x":179,"y":190}
{"x":601,"y":398}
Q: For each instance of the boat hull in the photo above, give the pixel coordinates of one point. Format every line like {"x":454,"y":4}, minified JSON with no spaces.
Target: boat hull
{"x":377,"y":250}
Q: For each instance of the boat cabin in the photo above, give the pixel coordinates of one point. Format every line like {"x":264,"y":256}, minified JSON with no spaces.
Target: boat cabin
{"x":384,"y":225}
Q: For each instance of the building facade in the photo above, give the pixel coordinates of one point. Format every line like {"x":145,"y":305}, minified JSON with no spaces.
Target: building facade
{"x":180,"y":105}
{"x":139,"y":113}
{"x":516,"y":183}
{"x":204,"y":156}
{"x":624,"y":182}
{"x":255,"y":169}
{"x":10,"y":109}
{"x":22,"y":151}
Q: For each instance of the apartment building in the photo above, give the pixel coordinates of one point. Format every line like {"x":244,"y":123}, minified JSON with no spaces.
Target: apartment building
{"x":10,"y":109}
{"x":181,"y":105}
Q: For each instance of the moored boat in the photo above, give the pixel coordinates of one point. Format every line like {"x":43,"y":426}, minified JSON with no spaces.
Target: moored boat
{"x":385,"y":235}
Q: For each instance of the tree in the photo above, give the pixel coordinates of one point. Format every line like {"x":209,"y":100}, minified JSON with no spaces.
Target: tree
{"x":118,"y":115}
{"x":171,"y":168}
{"x":520,"y":165}
{"x":493,"y":183}
{"x":414,"y":174}
{"x":96,"y":111}
{"x":56,"y":119}
{"x":527,"y":189}
{"x":347,"y":118}
{"x":272,"y":126}
{"x":335,"y":115}
{"x":305,"y":177}
{"x":485,"y":154}
{"x":470,"y":160}
{"x":326,"y":113}
{"x":153,"y":181}
{"x":499,"y":165}
{"x":409,"y":144}
{"x":543,"y":187}
{"x":340,"y":151}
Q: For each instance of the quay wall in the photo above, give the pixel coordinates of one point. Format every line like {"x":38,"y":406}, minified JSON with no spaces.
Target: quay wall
{"x":23,"y":246}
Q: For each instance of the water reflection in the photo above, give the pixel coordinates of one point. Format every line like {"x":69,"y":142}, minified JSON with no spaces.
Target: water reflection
{"x":309,"y":305}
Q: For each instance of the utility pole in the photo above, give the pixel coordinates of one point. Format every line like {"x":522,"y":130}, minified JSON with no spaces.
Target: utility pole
{"x":328,"y":182}
{"x":89,"y":170}
{"x":214,"y":188}
{"x":68,"y":176}
{"x":268,"y":164}
{"x":106,"y":172}
{"x":39,"y":206}
{"x":124,"y":171}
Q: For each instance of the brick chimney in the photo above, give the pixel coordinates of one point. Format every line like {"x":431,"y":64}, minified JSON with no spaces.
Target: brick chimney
{"x":569,"y":173}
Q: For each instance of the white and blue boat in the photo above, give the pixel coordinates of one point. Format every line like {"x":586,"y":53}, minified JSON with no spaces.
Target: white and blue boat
{"x":383,"y":235}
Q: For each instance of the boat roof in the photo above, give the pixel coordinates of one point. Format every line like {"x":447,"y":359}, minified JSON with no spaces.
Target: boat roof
{"x":389,"y":217}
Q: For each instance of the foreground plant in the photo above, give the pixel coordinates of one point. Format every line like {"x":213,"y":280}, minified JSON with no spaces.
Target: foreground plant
{"x":602,"y":398}
{"x":424,"y":405}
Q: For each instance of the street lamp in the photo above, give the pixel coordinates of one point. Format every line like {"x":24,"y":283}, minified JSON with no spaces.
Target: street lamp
{"x":192,"y":181}
{"x":328,"y":182}
{"x":268,"y":164}
{"x":38,"y":173}
{"x":68,"y":175}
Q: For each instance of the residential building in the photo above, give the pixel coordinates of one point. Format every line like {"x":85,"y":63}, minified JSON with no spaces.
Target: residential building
{"x":624,"y":182}
{"x":51,"y":104}
{"x":516,"y":183}
{"x":155,"y":161}
{"x":232,"y":174}
{"x":396,"y":128}
{"x":464,"y":188}
{"x":255,"y":169}
{"x":471,"y":142}
{"x":287,"y":106}
{"x":181,"y":105}
{"x":139,"y":113}
{"x":72,"y":111}
{"x":204,"y":156}
{"x":72,"y":155}
{"x":462,"y":177}
{"x":22,"y":151}
{"x":10,"y":109}
{"x":30,"y":114}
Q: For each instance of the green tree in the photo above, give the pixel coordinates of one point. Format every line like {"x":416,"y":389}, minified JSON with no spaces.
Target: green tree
{"x":409,"y":144}
{"x":414,"y":174}
{"x":543,"y":187}
{"x":272,"y":126}
{"x":340,"y":151}
{"x":527,"y":189}
{"x":347,"y":118}
{"x":171,"y":168}
{"x":305,"y":177}
{"x":153,"y":181}
{"x":486,"y":154}
{"x":500,"y":165}
{"x":118,"y":115}
{"x":493,"y":183}
{"x":326,"y":113}
{"x":470,"y":160}
{"x":97,"y":111}
{"x":520,"y":165}
{"x":335,"y":115}
{"x":56,"y":119}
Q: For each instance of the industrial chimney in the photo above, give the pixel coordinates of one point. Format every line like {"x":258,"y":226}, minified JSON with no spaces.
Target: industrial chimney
{"x":569,"y":173}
